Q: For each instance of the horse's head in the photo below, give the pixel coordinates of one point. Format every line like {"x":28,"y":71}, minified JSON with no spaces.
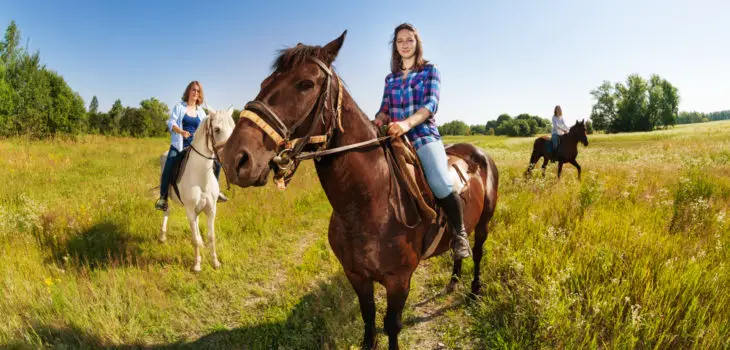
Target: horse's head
{"x":297,"y":101}
{"x":579,"y":132}
{"x":218,"y":127}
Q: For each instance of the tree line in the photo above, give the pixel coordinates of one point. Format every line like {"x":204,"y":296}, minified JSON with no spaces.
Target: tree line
{"x":699,"y":117}
{"x":37,"y":101}
{"x":636,"y":105}
{"x":521,"y":125}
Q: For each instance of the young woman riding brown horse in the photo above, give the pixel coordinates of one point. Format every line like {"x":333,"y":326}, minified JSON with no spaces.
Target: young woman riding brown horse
{"x":303,"y":111}
{"x":566,"y":153}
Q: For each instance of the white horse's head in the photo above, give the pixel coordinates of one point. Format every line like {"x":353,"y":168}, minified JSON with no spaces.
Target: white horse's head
{"x":221,"y":126}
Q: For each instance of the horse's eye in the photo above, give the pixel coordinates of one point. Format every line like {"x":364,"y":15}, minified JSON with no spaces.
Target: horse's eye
{"x":217,"y":129}
{"x":305,"y":85}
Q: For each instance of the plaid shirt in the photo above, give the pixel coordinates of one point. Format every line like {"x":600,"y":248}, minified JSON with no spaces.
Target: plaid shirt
{"x":403,"y":98}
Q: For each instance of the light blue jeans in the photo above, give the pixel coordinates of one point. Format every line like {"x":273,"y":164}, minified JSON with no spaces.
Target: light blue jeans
{"x":435,"y":165}
{"x":555,"y":142}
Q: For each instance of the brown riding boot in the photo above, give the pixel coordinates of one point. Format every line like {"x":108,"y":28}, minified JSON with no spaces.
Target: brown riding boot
{"x":455,"y":213}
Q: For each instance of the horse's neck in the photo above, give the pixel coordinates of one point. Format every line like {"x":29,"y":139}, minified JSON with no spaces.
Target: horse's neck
{"x":200,"y":146}
{"x":357,"y":173}
{"x":570,"y":137}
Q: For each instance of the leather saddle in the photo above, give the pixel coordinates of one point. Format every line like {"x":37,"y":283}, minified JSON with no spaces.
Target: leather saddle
{"x":413,"y":201}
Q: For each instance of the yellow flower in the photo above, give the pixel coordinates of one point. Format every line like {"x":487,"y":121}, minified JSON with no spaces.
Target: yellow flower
{"x":49,"y":281}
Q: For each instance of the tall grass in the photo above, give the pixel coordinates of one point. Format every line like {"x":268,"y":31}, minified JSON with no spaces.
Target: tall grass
{"x":633,"y":256}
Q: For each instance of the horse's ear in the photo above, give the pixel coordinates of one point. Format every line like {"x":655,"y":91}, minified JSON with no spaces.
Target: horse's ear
{"x":209,"y":107}
{"x":333,"y":48}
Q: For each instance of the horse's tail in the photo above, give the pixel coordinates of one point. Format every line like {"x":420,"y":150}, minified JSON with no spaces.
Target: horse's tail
{"x":491,"y":193}
{"x":491,"y":188}
{"x":537,"y":150}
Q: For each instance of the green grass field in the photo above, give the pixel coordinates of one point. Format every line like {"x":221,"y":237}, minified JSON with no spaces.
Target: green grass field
{"x":633,"y":256}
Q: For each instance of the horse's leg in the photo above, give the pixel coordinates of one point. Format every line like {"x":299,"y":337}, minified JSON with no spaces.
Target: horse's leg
{"x":534,"y":158}
{"x":364,"y":288}
{"x":481,"y":231}
{"x":575,"y":164}
{"x":196,"y":239}
{"x":397,"y":287}
{"x":210,"y":214}
{"x":455,"y":276}
{"x":163,"y":230}
{"x":560,"y":168}
{"x":544,"y":165}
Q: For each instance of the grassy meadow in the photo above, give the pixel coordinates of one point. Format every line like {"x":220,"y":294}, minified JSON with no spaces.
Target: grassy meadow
{"x":635,"y":255}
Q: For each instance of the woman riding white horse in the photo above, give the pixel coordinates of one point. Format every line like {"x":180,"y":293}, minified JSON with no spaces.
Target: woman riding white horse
{"x":198,"y":186}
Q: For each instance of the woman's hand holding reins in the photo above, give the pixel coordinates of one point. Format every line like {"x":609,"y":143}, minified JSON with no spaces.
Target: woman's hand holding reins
{"x":398,"y":129}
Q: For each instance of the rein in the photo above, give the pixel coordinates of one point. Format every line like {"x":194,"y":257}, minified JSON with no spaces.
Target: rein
{"x":211,"y":146}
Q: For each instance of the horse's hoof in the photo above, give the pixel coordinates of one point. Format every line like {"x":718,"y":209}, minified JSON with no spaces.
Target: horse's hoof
{"x":216,"y":265}
{"x":451,"y":287}
{"x":162,"y":238}
{"x":476,"y":290}
{"x":196,"y":268}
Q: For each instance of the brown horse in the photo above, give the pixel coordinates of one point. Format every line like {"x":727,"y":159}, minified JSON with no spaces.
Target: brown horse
{"x":303,"y":111}
{"x":567,"y":149}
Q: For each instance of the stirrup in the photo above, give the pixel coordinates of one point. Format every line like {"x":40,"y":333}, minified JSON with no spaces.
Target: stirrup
{"x":460,"y":247}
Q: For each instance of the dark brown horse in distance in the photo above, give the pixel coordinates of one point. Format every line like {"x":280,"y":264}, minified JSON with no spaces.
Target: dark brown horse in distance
{"x":303,"y":109}
{"x":567,"y":149}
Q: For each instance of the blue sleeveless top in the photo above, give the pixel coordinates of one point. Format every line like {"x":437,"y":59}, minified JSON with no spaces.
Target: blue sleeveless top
{"x":189,"y":124}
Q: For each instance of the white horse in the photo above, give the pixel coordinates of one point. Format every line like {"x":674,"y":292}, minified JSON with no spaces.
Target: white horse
{"x":198,"y":186}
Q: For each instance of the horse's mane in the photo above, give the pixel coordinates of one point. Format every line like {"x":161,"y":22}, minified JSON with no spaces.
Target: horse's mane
{"x":294,"y":56}
{"x":575,"y":126}
{"x":291,"y":57}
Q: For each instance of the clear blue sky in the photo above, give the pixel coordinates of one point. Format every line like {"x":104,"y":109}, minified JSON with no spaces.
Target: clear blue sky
{"x":495,"y":56}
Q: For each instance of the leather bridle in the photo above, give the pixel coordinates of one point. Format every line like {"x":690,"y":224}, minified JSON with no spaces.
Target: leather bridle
{"x":289,"y":149}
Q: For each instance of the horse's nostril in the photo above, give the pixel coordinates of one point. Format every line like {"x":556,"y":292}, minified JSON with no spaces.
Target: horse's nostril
{"x":243,"y":160}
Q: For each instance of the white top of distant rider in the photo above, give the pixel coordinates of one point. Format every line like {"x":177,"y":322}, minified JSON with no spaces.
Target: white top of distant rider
{"x":559,"y":126}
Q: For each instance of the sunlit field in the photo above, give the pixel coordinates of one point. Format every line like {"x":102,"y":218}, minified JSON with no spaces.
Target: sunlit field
{"x":633,"y":256}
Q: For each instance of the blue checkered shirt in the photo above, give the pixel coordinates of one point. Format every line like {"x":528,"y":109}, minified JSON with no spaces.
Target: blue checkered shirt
{"x":402,"y":98}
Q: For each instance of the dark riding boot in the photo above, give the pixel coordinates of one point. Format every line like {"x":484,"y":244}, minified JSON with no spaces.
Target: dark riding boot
{"x":172,"y":156}
{"x":459,"y":241}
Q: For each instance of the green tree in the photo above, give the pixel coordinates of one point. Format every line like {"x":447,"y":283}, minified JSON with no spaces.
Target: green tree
{"x":589,"y":127}
{"x":603,"y":112}
{"x":656,"y":101}
{"x":94,"y":105}
{"x":114,"y":118}
{"x":154,"y":114}
{"x":7,"y":103}
{"x":503,"y":118}
{"x":670,"y":106}
{"x":67,"y":114}
{"x":631,"y":114}
{"x":478,"y":130}
{"x":9,"y":50}
{"x":455,"y":127}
